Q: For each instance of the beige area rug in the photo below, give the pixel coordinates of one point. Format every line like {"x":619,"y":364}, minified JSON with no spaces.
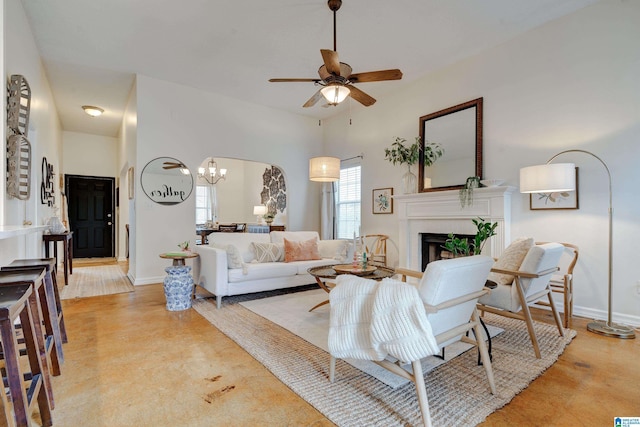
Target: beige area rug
{"x":95,"y":281}
{"x":458,"y":390}
{"x":291,"y":311}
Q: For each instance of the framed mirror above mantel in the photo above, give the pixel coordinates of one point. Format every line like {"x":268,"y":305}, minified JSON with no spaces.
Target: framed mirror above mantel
{"x":458,"y":130}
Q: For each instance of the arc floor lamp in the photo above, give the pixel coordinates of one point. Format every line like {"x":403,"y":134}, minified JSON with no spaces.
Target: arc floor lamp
{"x":550,"y":178}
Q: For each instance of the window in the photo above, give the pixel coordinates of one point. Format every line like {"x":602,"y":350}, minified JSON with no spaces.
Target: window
{"x":203,"y":207}
{"x":348,"y":203}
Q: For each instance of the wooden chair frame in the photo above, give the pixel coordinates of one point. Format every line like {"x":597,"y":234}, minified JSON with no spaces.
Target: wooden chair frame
{"x":564,"y":285}
{"x":525,"y":313}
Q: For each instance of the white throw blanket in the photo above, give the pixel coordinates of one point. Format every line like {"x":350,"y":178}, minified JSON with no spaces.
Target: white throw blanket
{"x":370,"y":320}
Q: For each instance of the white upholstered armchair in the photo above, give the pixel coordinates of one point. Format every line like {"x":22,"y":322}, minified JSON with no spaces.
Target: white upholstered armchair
{"x":530,"y":284}
{"x":449,"y":291}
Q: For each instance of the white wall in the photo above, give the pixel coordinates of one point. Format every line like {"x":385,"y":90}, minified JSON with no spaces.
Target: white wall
{"x":126,"y":159}
{"x":21,"y":57}
{"x":189,"y":125}
{"x":90,"y":155}
{"x":573,"y":83}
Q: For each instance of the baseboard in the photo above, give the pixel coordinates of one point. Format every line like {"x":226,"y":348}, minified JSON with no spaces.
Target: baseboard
{"x":591,"y":313}
{"x":146,"y":280}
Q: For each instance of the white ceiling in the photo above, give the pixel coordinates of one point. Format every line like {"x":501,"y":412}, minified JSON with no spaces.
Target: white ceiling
{"x":92,"y":49}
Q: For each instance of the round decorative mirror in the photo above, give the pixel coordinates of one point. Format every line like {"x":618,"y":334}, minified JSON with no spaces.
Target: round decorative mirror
{"x":167,"y":181}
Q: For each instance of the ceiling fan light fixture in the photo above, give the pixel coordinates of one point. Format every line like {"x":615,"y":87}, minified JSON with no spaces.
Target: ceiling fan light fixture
{"x":335,"y":94}
{"x":92,"y":111}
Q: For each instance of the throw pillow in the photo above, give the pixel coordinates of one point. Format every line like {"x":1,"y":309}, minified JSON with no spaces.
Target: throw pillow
{"x":336,"y":249}
{"x":301,"y":251}
{"x":268,"y":252}
{"x":511,"y":259}
{"x":234,"y":258}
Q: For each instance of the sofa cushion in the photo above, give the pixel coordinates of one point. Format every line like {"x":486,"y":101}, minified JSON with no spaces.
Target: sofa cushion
{"x":511,"y":259}
{"x":259,"y":271}
{"x":301,"y":251}
{"x":242,"y":241}
{"x":292,"y":236}
{"x":334,"y":249}
{"x":268,"y":252}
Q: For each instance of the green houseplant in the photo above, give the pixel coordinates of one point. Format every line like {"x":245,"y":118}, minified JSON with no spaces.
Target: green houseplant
{"x":466,"y":192}
{"x":409,"y":155}
{"x":462,"y":247}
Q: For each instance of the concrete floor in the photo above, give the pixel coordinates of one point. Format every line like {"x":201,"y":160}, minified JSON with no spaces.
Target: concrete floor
{"x":129,"y":362}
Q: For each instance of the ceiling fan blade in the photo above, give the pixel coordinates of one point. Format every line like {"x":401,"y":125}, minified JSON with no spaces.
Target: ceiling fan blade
{"x":331,"y":61}
{"x":360,"y":96}
{"x":312,"y":101}
{"x":376,"y":76}
{"x":293,"y":80}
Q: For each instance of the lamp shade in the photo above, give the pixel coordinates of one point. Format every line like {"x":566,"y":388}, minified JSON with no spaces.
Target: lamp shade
{"x":549,"y":178}
{"x":335,"y":94}
{"x":259,"y":210}
{"x":324,"y":169}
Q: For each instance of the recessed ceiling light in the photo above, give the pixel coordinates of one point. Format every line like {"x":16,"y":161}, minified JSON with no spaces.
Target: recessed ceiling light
{"x":92,"y":111}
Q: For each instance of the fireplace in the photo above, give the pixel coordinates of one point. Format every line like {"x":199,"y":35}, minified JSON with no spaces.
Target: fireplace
{"x":439,"y":212}
{"x":432,"y":246}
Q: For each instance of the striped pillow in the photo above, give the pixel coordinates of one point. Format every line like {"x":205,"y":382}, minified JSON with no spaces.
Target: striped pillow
{"x":268,"y":252}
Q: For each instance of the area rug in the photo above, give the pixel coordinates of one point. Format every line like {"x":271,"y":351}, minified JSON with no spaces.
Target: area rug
{"x":291,"y":311}
{"x":96,"y":281}
{"x":458,"y":390}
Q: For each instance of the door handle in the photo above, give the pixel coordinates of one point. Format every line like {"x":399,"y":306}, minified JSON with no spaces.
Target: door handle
{"x":108,"y":215}
{"x":109,"y":223}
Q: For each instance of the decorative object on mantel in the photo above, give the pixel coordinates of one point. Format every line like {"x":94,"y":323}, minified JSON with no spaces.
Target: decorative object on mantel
{"x":562,"y":177}
{"x":492,"y":182}
{"x":400,"y":153}
{"x":466,"y":192}
{"x":382,"y":200}
{"x":462,"y":247}
{"x":18,"y":147}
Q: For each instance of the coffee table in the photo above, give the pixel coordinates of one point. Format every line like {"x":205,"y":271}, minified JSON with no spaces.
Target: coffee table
{"x":328,"y":272}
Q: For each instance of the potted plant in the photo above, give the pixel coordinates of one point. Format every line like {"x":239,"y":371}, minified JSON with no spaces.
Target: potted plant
{"x":409,"y":155}
{"x":466,"y":192}
{"x":268,"y":217}
{"x":462,"y":247}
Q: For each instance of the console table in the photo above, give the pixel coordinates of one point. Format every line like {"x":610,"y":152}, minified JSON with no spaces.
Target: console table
{"x":67,"y":241}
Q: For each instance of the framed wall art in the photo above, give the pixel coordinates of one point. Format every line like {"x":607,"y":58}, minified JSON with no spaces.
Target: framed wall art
{"x":382,"y":201}
{"x":558,"y":200}
{"x":131,"y":185}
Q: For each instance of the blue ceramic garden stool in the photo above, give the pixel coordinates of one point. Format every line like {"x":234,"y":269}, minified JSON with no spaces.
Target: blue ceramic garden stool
{"x":178,"y":287}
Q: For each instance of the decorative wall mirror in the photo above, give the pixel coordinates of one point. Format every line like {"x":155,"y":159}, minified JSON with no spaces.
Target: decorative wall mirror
{"x":458,"y":130}
{"x":167,"y":181}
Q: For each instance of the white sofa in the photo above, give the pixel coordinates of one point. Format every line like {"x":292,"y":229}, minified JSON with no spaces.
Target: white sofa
{"x":229,"y":265}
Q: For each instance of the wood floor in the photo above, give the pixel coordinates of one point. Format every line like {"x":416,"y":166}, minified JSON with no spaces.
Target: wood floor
{"x":131,"y":362}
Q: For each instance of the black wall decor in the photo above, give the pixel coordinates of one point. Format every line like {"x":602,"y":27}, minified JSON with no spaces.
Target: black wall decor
{"x":46,"y":187}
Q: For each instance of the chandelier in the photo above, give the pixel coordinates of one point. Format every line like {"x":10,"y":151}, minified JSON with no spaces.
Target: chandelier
{"x":211,"y":173}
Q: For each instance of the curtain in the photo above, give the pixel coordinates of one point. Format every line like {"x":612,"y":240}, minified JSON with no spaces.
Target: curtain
{"x":327,"y":212}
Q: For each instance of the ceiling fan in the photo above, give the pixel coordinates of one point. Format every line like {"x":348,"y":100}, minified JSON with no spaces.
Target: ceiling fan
{"x":336,"y":77}
{"x":173,"y":165}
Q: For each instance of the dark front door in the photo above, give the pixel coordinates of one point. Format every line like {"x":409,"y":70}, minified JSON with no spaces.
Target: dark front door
{"x":91,"y":215}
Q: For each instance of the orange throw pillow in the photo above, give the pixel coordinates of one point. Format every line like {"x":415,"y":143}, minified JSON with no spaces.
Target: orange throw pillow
{"x":301,"y":251}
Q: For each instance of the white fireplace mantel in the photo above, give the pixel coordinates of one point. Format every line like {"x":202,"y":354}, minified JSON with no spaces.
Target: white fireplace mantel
{"x":440,"y":212}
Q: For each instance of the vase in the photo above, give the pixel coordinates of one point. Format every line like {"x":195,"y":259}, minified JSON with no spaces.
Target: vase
{"x":409,"y":182}
{"x":178,"y":287}
{"x":55,"y":225}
